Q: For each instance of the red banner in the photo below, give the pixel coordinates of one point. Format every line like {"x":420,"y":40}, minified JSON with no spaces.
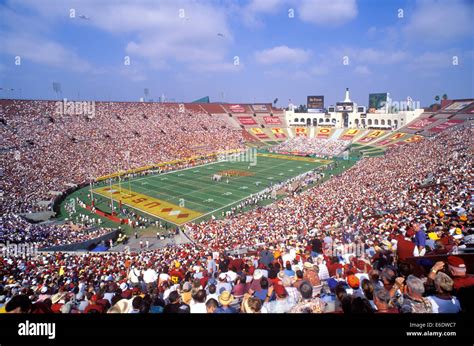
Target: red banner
{"x":272,"y":120}
{"x":237,"y":109}
{"x":247,"y":120}
{"x":260,"y":108}
{"x":420,"y":124}
{"x":384,"y":142}
{"x":446,"y":125}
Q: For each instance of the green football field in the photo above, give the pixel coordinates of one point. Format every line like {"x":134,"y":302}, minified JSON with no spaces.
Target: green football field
{"x":191,"y":194}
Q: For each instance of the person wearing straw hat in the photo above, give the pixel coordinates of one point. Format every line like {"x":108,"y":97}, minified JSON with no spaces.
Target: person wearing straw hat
{"x":225,"y":299}
{"x":123,"y":306}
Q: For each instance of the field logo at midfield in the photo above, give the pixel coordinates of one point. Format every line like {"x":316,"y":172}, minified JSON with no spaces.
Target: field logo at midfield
{"x":176,"y":214}
{"x":235,"y":173}
{"x":249,"y":155}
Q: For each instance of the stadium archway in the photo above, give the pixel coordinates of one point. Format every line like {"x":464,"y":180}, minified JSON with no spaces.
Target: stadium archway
{"x":345,"y":119}
{"x":315,"y":122}
{"x":308,"y":121}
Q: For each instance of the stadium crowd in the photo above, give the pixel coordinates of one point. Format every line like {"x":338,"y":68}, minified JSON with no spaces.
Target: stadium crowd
{"x":14,"y":229}
{"x":340,"y":247}
{"x":312,"y":146}
{"x":47,"y":148}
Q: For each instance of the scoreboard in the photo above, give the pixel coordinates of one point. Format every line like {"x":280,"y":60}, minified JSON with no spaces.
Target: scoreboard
{"x":315,"y":102}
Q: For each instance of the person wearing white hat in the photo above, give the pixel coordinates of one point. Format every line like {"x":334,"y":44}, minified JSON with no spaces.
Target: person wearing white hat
{"x":223,"y":284}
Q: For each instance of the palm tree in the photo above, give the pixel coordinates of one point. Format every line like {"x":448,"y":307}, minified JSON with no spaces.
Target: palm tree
{"x":436,"y":98}
{"x":445,"y":96}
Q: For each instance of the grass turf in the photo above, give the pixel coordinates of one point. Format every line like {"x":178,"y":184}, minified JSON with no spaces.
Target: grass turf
{"x":199,"y":193}
{"x":196,"y":189}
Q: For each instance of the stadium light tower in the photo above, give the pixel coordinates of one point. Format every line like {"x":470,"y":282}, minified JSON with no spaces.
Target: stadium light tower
{"x":57,"y":89}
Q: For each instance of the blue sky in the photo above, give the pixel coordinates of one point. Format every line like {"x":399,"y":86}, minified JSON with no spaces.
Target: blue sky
{"x":262,"y":52}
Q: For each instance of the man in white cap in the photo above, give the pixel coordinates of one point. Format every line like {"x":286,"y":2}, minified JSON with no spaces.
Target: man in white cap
{"x":222,"y":284}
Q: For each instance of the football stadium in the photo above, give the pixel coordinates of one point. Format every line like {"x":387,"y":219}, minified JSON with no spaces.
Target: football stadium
{"x":346,"y":201}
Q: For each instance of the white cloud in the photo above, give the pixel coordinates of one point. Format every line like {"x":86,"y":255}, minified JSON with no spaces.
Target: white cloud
{"x":159,"y":35}
{"x":282,"y":54}
{"x":43,"y":51}
{"x":371,"y":55}
{"x":254,"y":12}
{"x":326,"y":12}
{"x":432,"y":60}
{"x":437,"y":21}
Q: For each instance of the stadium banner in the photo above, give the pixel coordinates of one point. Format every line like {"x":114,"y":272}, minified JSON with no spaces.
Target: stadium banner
{"x":150,"y":205}
{"x":377,"y":102}
{"x":412,"y":139}
{"x":383,"y":142}
{"x":371,"y":136}
{"x":301,"y":131}
{"x":421,"y":124}
{"x":315,"y":102}
{"x":272,"y":120}
{"x":247,"y":120}
{"x":457,"y":106}
{"x":350,"y":134}
{"x":376,"y":133}
{"x":293,"y":158}
{"x":323,"y":132}
{"x":260,"y":109}
{"x":391,"y":139}
{"x":397,"y":136}
{"x":446,"y":125}
{"x":237,"y":109}
{"x":257,"y":131}
{"x":344,"y":106}
{"x":278,"y":133}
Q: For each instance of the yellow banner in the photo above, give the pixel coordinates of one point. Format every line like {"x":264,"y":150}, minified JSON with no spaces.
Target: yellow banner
{"x":414,"y":139}
{"x":397,"y":136}
{"x":375,"y":134}
{"x":324,"y":132}
{"x":351,"y":132}
{"x":301,"y":131}
{"x":257,"y":130}
{"x":295,"y":158}
{"x":149,"y":205}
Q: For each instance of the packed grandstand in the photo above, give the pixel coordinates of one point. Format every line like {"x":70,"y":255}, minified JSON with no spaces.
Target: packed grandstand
{"x":389,"y":234}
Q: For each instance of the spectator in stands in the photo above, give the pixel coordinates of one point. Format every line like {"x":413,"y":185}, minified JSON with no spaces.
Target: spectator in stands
{"x":443,"y":301}
{"x":413,"y":300}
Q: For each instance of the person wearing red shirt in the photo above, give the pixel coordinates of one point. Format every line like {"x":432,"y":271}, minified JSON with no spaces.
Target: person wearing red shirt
{"x":404,"y":248}
{"x":457,"y":270}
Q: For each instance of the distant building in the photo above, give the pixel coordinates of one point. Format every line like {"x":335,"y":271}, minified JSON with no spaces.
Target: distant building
{"x":348,"y":114}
